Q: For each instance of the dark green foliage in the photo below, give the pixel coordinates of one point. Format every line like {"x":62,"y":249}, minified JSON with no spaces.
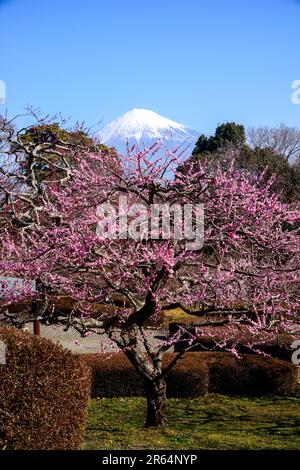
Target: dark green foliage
{"x":52,"y":134}
{"x":260,"y":162}
{"x":44,"y":394}
{"x":267,"y":162}
{"x":227,"y":134}
{"x":48,"y":150}
{"x":230,"y":133}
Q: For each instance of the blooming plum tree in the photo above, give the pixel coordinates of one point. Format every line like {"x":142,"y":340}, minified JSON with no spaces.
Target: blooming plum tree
{"x":243,"y":278}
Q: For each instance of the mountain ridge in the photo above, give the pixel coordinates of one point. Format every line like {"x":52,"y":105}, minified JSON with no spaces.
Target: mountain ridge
{"x":143,"y":127}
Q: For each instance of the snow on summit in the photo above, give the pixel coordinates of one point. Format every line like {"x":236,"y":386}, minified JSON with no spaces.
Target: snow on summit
{"x":144,"y":127}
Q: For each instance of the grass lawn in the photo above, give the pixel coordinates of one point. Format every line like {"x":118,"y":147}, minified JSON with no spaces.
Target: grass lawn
{"x":210,"y":422}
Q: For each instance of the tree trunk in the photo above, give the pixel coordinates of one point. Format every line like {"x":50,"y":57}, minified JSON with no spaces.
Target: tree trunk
{"x":156,"y":402}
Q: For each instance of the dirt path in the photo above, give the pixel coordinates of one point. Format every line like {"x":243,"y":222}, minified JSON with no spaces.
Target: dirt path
{"x":92,"y":344}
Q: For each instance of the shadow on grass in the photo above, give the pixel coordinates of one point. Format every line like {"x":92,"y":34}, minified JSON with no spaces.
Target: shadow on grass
{"x":211,"y":422}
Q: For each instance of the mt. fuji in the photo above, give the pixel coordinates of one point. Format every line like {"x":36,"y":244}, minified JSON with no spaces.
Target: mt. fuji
{"x":143,"y":127}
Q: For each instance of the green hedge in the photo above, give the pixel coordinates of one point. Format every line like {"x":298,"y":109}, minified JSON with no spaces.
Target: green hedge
{"x":44,"y":394}
{"x":196,"y":374}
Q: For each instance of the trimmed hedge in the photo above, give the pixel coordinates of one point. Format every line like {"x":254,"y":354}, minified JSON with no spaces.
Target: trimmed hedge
{"x":196,"y":374}
{"x":251,"y":375}
{"x":114,"y":375}
{"x":44,"y":394}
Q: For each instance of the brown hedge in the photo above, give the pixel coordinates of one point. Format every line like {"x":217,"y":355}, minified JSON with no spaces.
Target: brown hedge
{"x":44,"y":394}
{"x":114,"y":375}
{"x":196,"y":374}
{"x":251,"y":375}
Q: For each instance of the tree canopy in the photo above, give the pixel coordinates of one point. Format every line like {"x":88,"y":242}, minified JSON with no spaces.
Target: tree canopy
{"x":244,"y":279}
{"x":263,"y":152}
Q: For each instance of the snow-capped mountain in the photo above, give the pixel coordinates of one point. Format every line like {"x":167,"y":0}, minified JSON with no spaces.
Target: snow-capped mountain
{"x":143,"y":127}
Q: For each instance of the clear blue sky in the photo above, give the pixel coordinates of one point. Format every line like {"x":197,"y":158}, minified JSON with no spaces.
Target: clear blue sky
{"x":197,"y":62}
